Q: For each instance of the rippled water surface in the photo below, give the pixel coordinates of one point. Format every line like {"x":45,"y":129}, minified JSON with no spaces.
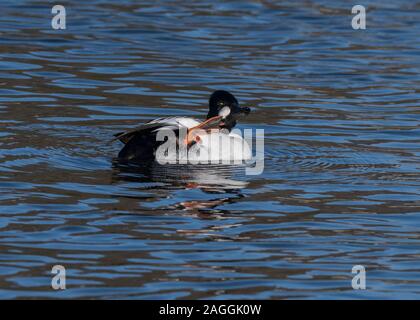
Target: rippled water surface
{"x":341,"y":184}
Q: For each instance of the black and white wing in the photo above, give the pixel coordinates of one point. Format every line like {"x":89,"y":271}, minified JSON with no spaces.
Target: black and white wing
{"x":156,"y":124}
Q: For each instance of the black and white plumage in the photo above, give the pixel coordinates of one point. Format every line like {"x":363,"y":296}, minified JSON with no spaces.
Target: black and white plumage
{"x":141,"y":143}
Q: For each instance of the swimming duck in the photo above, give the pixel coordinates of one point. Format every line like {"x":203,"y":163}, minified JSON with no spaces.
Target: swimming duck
{"x":201,"y":140}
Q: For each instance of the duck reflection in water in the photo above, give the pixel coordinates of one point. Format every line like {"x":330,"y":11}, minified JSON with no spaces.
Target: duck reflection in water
{"x":211,"y":179}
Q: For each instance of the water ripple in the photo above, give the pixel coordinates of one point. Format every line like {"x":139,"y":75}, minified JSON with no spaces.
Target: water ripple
{"x":340,"y":186}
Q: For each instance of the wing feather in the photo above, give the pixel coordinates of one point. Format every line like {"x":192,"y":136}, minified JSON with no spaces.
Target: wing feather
{"x":170,"y":122}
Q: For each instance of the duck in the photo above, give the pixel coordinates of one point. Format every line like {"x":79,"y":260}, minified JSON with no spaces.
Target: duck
{"x":208,"y":140}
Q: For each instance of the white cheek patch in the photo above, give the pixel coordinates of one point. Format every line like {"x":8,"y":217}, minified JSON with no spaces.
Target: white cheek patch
{"x":224,"y":112}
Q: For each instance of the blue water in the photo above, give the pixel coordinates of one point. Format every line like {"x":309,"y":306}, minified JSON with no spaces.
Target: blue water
{"x":340,"y":186}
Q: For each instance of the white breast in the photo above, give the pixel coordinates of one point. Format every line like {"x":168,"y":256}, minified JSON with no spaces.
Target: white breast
{"x":212,"y":148}
{"x":216,"y":147}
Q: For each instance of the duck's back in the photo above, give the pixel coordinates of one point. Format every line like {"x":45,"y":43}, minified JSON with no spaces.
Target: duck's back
{"x":141,"y":143}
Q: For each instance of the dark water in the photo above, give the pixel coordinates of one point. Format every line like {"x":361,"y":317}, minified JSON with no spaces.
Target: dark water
{"x":341,"y":184}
